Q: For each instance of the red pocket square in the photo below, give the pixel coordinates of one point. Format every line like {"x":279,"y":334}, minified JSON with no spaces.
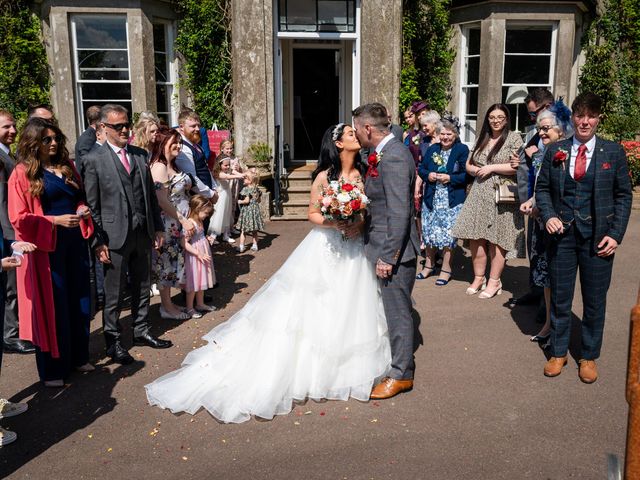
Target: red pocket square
{"x":606,"y":166}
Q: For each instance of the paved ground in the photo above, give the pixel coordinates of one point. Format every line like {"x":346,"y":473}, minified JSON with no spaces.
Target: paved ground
{"x":481,"y":408}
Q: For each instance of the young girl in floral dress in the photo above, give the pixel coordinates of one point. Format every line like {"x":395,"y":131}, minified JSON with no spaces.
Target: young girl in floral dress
{"x":250,"y":219}
{"x":199,"y":272}
{"x":222,"y":218}
{"x":235,"y":185}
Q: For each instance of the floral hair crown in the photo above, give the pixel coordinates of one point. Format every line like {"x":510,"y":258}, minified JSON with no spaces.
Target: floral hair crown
{"x":335,"y":133}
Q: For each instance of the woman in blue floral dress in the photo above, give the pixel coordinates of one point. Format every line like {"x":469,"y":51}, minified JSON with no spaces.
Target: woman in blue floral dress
{"x":443,"y":172}
{"x":172,"y":189}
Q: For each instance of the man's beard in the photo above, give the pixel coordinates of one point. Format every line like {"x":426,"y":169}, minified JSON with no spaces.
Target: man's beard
{"x":194,"y":137}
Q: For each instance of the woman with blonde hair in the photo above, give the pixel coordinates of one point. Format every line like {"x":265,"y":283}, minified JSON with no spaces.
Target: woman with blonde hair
{"x":145,"y":130}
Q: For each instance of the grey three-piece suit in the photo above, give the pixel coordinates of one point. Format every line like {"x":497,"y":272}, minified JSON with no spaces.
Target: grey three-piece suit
{"x":11,"y":295}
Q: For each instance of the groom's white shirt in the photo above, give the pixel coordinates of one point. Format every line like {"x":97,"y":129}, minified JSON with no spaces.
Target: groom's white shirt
{"x":383,"y":142}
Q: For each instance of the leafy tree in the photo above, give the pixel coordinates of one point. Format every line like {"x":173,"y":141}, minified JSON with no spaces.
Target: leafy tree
{"x":24,"y":70}
{"x":204,"y":41}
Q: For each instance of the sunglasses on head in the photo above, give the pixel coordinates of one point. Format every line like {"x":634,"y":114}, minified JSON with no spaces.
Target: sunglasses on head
{"x":48,"y":140}
{"x":118,"y":126}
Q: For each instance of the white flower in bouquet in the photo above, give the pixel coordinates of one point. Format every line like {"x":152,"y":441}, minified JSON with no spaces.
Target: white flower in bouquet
{"x":344,"y":197}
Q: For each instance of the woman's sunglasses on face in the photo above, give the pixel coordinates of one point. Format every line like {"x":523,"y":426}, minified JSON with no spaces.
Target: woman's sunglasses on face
{"x":48,"y":140}
{"x":546,"y":128}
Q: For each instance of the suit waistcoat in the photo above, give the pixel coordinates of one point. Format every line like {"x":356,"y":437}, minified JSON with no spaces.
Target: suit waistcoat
{"x":200,"y":163}
{"x":135,"y":194}
{"x":577,"y":201}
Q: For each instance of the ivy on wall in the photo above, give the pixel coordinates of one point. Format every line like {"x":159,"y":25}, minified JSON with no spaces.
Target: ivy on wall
{"x":204,"y":42}
{"x":612,"y":66}
{"x":427,"y":55}
{"x":24,"y":71}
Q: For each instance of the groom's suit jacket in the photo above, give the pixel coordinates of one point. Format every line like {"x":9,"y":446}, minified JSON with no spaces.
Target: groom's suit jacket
{"x":390,"y":233}
{"x":108,"y":198}
{"x":611,"y":196}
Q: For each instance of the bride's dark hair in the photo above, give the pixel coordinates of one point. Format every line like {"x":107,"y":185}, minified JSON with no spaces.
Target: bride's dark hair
{"x":329,"y":159}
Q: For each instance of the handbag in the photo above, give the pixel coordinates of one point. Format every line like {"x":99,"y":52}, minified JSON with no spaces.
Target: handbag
{"x":506,"y":193}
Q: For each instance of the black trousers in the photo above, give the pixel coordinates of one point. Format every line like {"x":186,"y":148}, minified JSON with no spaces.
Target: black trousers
{"x":10,"y":328}
{"x":135,"y":258}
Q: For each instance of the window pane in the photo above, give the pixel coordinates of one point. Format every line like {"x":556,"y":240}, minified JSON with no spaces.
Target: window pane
{"x":161,"y":67}
{"x":106,"y":91}
{"x":473,"y":46}
{"x":317,"y":15}
{"x":104,"y":75}
{"x":102,"y":59}
{"x":528,"y":41}
{"x":163,"y":98}
{"x":473,"y":70}
{"x":301,"y":12}
{"x":472,"y":101}
{"x":101,"y":31}
{"x":526,"y":69}
{"x":159,"y":41}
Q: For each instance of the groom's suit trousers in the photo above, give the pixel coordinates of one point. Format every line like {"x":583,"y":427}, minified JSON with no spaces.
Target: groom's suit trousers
{"x":396,"y":298}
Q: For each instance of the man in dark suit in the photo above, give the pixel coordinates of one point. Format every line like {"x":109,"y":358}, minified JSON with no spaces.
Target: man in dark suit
{"x":12,"y":342}
{"x":391,"y":239}
{"x":584,"y":196}
{"x":87,"y":140}
{"x":127,"y":218}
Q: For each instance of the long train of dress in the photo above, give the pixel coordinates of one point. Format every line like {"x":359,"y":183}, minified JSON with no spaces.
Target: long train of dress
{"x":316,"y":329}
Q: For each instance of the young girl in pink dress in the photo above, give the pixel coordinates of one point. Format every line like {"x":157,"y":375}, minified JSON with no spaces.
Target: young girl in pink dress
{"x":199,"y":272}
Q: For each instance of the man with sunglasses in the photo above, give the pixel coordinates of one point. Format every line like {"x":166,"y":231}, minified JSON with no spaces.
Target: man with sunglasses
{"x":126,"y":215}
{"x":537,"y":102}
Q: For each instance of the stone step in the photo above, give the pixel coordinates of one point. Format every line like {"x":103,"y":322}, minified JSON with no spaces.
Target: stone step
{"x":289,"y":217}
{"x":300,"y":209}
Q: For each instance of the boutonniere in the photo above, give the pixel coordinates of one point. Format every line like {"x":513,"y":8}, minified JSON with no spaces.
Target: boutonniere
{"x":416,"y":139}
{"x":373,"y":161}
{"x":560,"y":156}
{"x":606,"y":166}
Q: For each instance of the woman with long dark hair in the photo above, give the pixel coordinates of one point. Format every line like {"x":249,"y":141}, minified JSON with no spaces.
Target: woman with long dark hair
{"x":494,"y":228}
{"x":46,"y":207}
{"x":316,"y":329}
{"x":172,"y":189}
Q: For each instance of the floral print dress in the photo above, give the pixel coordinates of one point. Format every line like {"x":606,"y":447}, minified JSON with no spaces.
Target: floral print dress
{"x":167,"y":267}
{"x":250,"y":218}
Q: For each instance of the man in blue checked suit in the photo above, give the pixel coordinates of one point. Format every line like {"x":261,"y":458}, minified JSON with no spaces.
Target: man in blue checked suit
{"x":584,"y":196}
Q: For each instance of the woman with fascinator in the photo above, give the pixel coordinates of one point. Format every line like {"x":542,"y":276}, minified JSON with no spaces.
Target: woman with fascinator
{"x":552,"y":125}
{"x":316,"y":329}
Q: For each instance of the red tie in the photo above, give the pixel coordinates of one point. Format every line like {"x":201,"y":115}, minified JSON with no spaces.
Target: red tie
{"x":581,"y":163}
{"x":125,"y":160}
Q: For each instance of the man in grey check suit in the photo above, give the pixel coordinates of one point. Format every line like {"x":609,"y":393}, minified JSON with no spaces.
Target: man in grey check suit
{"x":584,"y":196}
{"x":127,"y":219}
{"x":391,"y":239}
{"x":12,"y":341}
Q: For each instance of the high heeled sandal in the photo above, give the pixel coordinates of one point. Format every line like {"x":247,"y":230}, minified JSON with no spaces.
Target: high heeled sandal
{"x":441,"y":282}
{"x":422,"y":276}
{"x":485,"y":295}
{"x":473,"y":291}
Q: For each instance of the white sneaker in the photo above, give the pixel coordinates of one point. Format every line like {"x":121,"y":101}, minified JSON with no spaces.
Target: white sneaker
{"x":254,"y":247}
{"x":7,"y":437}
{"x":154,"y":290}
{"x":241,"y":248}
{"x":229,"y":240}
{"x":9,"y":409}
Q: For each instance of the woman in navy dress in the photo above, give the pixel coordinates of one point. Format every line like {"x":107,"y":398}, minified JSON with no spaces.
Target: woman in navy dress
{"x":47,"y":208}
{"x":443,"y":172}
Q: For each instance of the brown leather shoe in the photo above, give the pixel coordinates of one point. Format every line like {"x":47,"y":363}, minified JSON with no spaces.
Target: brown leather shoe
{"x":390,"y":387}
{"x":554,"y":365}
{"x":588,"y":372}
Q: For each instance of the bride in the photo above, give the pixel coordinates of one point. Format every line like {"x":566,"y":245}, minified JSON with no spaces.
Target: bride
{"x":316,"y":329}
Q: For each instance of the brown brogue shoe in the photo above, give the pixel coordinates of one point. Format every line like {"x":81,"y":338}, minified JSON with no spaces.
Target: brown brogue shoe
{"x":390,"y":387}
{"x":588,"y":372}
{"x":554,"y":365}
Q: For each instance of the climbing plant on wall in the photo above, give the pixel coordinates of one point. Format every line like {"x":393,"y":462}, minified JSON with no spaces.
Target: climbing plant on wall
{"x":427,"y":56}
{"x":24,"y":71}
{"x":612,"y":66}
{"x":204,"y":42}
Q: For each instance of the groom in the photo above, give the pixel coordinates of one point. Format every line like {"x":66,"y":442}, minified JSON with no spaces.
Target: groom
{"x":391,"y":239}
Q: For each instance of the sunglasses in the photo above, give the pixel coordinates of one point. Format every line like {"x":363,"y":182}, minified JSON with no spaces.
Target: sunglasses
{"x":497,"y":119}
{"x":48,"y":140}
{"x":118,"y":126}
{"x":546,"y":128}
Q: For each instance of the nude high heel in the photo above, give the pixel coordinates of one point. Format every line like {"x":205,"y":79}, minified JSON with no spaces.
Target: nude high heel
{"x":484,"y":295}
{"x":473,"y":291}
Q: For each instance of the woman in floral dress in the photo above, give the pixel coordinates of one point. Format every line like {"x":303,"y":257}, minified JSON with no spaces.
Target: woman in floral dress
{"x":172,"y":189}
{"x":443,"y":173}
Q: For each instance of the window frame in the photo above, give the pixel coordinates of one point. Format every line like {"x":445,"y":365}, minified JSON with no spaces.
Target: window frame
{"x":349,"y":28}
{"x":172,"y":69}
{"x":465,"y":31}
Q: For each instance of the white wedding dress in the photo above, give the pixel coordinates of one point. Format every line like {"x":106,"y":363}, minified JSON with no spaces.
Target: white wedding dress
{"x":316,"y":329}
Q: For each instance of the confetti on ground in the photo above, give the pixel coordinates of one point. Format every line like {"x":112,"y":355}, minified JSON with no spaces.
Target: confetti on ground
{"x":374,"y":420}
{"x":296,"y":423}
{"x":309,"y":412}
{"x":109,"y":449}
{"x":322,"y":414}
{"x":90,"y":435}
{"x":185,"y":458}
{"x":154,"y":432}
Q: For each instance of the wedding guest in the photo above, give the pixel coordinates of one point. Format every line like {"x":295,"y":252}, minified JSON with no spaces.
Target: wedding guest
{"x":43,"y":111}
{"x":410,"y":120}
{"x":172,"y":190}
{"x":584,"y":196}
{"x":443,"y":171}
{"x":250,"y":220}
{"x":200,"y":274}
{"x":494,"y":230}
{"x":87,"y":140}
{"x":235,"y":185}
{"x":121,"y":195}
{"x":145,"y":130}
{"x":222,"y":219}
{"x":12,"y":341}
{"x":415,"y":136}
{"x":46,"y":208}
{"x":430,"y":126}
{"x":551,"y":125}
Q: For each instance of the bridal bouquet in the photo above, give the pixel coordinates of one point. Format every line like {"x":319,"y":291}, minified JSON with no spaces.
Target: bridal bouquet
{"x":341,"y":200}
